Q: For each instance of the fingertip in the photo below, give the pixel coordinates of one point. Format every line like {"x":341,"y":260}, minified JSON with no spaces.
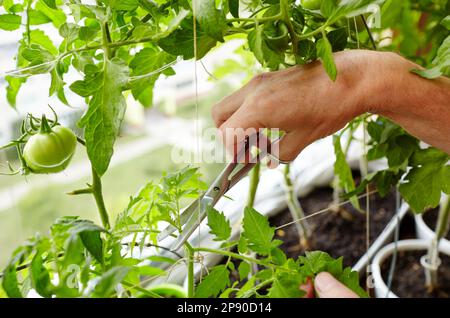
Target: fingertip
{"x":329,"y":287}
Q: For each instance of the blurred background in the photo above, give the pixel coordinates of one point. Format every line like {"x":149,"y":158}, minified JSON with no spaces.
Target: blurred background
{"x":30,"y":204}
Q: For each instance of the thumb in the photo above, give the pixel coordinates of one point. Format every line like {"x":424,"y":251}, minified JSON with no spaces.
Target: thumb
{"x":329,"y":287}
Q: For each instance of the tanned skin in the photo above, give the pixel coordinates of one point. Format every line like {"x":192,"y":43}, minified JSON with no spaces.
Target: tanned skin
{"x":305,"y":103}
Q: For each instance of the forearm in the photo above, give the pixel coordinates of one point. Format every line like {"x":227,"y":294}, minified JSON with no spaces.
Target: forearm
{"x":421,"y":106}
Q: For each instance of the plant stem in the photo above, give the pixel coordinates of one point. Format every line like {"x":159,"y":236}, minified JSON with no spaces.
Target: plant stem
{"x":259,"y":20}
{"x":106,"y":41}
{"x":80,"y":191}
{"x":284,"y":11}
{"x":190,"y":260}
{"x":295,"y":208}
{"x":310,"y":34}
{"x":28,"y":23}
{"x":442,"y":225}
{"x":235,"y":255}
{"x":337,"y":189}
{"x":98,"y":196}
{"x":254,"y":181}
{"x":252,"y":291}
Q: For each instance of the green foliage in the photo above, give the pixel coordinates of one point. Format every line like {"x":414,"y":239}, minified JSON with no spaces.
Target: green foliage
{"x":342,"y":170}
{"x":440,"y":64}
{"x":104,"y":116}
{"x":257,"y":231}
{"x":315,"y":262}
{"x":220,"y":226}
{"x":325,"y":52}
{"x":215,"y":282}
{"x":429,"y":174}
{"x":125,"y":46}
{"x":424,"y":172}
{"x":9,"y":22}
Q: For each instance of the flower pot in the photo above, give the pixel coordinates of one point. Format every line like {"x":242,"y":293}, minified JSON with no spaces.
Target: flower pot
{"x":380,"y":287}
{"x":424,"y":232}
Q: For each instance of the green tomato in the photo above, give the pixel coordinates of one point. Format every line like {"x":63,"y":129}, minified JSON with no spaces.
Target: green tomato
{"x":50,"y":152}
{"x":312,"y":4}
{"x":277,"y":36}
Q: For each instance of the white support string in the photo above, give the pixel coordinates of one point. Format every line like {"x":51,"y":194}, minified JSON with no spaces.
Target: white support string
{"x":330,"y":208}
{"x":22,"y":72}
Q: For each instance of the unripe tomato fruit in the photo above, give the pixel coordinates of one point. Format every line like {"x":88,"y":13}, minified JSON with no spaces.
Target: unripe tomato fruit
{"x":311,"y":4}
{"x":277,"y":36}
{"x":51,"y":151}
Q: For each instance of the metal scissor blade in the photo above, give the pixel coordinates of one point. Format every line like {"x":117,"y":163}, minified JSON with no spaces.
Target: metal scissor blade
{"x":193,"y":222}
{"x":184,"y":217}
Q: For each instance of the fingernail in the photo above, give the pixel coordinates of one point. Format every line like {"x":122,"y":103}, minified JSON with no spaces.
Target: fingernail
{"x":272,"y":164}
{"x":324,"y":282}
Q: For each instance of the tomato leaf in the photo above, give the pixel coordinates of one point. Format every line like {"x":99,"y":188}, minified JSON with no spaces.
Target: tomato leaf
{"x":316,"y":262}
{"x":424,"y":183}
{"x":181,"y":41}
{"x":211,"y":20}
{"x":342,"y":170}
{"x":244,"y":269}
{"x":257,"y":231}
{"x":57,"y":16}
{"x":234,"y":8}
{"x":265,"y":56}
{"x":106,"y":284}
{"x":144,"y":63}
{"x":93,"y":243}
{"x":14,"y":84}
{"x":441,"y":62}
{"x":40,"y":276}
{"x":351,"y":279}
{"x":219,"y":225}
{"x":215,"y":282}
{"x":50,"y":3}
{"x":124,"y":5}
{"x":10,"y":22}
{"x":10,"y":283}
{"x":286,"y":285}
{"x":325,"y":52}
{"x":104,"y":115}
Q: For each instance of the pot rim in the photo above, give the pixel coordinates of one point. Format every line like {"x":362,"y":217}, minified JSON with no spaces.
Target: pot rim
{"x":386,"y":251}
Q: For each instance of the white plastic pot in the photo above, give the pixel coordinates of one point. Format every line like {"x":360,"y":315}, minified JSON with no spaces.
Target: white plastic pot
{"x":424,"y":232}
{"x":380,"y":287}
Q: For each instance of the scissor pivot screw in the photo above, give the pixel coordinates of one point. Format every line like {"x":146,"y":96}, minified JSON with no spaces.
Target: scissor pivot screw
{"x":216,"y":188}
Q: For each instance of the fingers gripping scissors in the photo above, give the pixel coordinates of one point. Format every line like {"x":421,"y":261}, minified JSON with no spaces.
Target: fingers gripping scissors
{"x":195,"y":213}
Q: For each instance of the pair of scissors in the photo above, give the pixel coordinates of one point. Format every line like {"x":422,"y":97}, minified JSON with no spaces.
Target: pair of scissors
{"x":195,"y":213}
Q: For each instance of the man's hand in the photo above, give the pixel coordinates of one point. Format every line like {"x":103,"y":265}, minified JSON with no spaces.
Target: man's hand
{"x":303,"y":102}
{"x":326,"y":286}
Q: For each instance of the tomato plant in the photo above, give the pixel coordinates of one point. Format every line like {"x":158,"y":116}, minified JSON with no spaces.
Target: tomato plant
{"x":125,"y":46}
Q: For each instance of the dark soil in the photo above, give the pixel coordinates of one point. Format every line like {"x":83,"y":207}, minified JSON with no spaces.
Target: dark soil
{"x":333,"y":232}
{"x":409,"y":277}
{"x":430,"y":219}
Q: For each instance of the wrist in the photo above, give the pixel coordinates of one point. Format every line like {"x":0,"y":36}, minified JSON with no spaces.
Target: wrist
{"x":421,"y":106}
{"x":385,"y":81}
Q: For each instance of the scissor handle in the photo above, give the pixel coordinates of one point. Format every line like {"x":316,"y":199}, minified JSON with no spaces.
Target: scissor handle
{"x":244,"y":157}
